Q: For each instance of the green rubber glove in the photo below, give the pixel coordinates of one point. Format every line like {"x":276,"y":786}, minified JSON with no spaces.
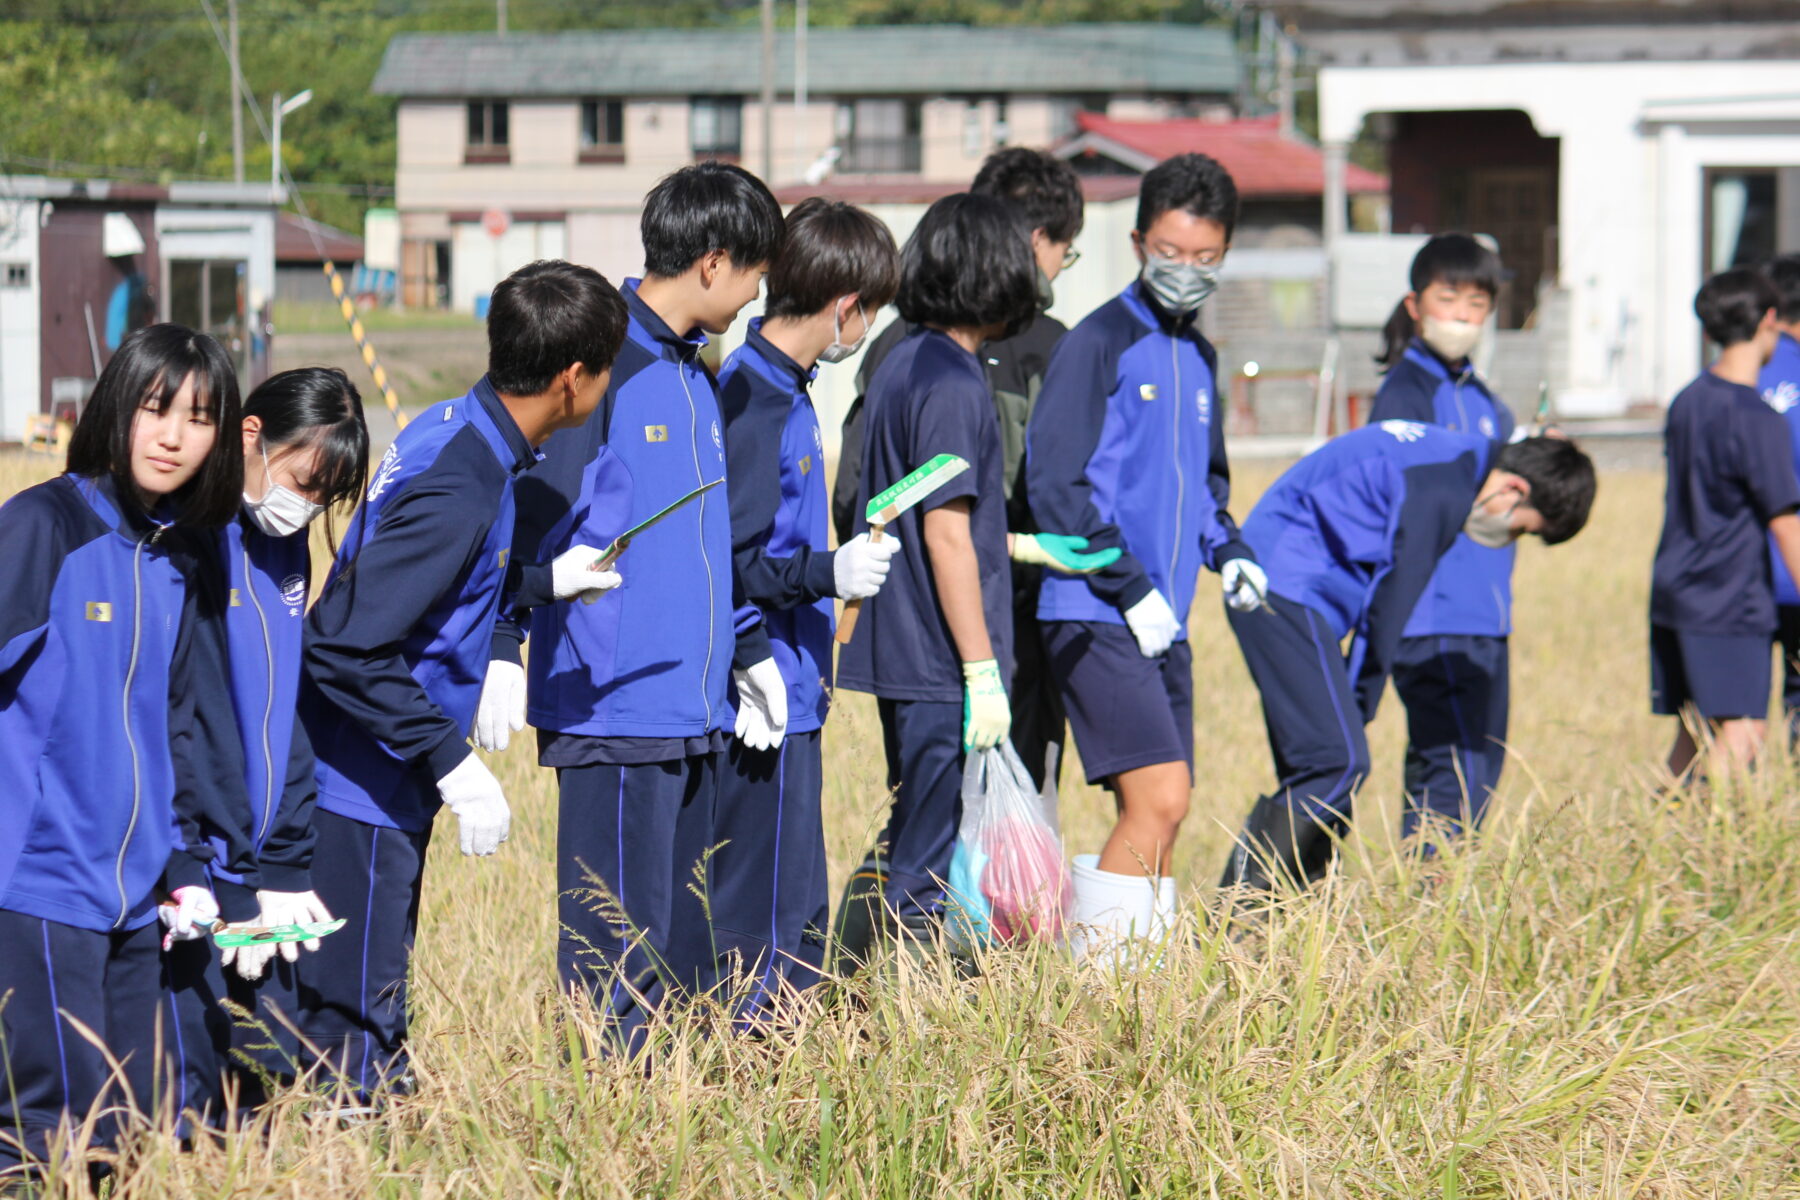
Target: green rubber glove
{"x":987,"y":717}
{"x":1060,"y":552}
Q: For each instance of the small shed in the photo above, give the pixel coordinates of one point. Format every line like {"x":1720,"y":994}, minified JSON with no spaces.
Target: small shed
{"x":302,"y":247}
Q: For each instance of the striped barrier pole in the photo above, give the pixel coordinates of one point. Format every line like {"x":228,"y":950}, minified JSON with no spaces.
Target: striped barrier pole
{"x":348,"y":308}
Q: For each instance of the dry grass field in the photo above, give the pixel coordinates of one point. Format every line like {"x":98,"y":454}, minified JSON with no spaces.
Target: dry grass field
{"x":1598,"y":998}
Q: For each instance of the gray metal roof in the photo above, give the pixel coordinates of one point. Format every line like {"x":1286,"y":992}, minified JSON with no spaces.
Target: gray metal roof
{"x":860,"y":60}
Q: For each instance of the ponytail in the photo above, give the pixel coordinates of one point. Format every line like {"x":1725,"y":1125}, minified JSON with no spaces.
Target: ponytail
{"x":1396,"y":335}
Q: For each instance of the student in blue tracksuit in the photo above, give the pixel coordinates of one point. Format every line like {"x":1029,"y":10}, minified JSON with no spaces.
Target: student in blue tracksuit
{"x":1452,"y":670}
{"x":838,"y":266}
{"x":306,"y":450}
{"x":934,"y":646}
{"x":630,"y":695}
{"x":1731,"y":480}
{"x":1780,"y":387}
{"x":117,"y":756}
{"x":1127,"y":448}
{"x":397,"y":649}
{"x":1349,"y":537}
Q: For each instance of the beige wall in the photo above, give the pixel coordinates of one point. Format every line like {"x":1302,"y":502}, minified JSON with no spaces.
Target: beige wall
{"x":546,"y":176}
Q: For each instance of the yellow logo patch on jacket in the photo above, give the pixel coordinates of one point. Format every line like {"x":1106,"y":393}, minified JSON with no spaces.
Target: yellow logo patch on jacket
{"x":656,"y":433}
{"x":99,"y":610}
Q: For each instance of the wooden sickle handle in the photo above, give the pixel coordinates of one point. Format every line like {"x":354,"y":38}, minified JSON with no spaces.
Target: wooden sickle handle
{"x":847,"y":623}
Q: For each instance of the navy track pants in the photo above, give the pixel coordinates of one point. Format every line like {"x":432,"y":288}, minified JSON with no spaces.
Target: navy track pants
{"x":1316,"y":737}
{"x":54,"y":977}
{"x":1456,"y":691}
{"x":769,"y":894}
{"x":630,"y":840}
{"x":923,"y":740}
{"x":347,"y":999}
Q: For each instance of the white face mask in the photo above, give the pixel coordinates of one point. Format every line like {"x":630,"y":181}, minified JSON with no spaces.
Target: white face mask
{"x":1493,"y":530}
{"x":282,"y":512}
{"x":1451,"y":339}
{"x":837,"y":352}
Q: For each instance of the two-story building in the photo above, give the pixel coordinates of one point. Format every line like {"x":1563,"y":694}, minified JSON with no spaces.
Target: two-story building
{"x":526,"y":146}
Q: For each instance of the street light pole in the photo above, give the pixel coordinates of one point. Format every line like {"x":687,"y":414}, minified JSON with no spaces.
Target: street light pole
{"x":281,"y":108}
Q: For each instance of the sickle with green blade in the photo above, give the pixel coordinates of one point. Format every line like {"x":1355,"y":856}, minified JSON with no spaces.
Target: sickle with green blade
{"x":886,"y":507}
{"x":268,"y":935}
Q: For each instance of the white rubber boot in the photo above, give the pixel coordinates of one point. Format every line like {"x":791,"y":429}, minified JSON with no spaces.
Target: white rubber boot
{"x":1162,"y":920}
{"x":1111,"y":912}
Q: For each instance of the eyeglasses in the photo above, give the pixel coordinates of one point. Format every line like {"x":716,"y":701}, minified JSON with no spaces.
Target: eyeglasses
{"x":1071,"y":256}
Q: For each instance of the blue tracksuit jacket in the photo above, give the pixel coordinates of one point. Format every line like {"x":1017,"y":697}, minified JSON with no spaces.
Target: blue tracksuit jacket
{"x":1355,"y":529}
{"x":1126,"y":447}
{"x":1471,"y":591}
{"x":118,"y":754}
{"x":1780,"y":388}
{"x":779,"y":517}
{"x":651,"y":658}
{"x":265,"y":615}
{"x":397,"y":645}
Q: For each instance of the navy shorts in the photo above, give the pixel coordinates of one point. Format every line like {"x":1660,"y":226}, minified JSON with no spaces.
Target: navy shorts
{"x":1723,"y":677}
{"x":1127,"y":711}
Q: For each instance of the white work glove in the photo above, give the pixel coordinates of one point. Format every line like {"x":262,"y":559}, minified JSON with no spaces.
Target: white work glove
{"x":193,"y":912}
{"x":501,"y":712}
{"x":1246,"y":584}
{"x":573,"y":577}
{"x":293,"y":908}
{"x":473,"y":794}
{"x":762,"y":708}
{"x":249,"y":961}
{"x":861,"y":566}
{"x":1152,"y":622}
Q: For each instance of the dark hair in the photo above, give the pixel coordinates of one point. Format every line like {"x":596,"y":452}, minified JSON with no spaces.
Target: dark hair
{"x":705,"y":207}
{"x":1562,"y":482}
{"x":545,"y":317}
{"x":832,"y":249}
{"x":1448,"y":258}
{"x":1044,"y":188}
{"x":1194,"y":183}
{"x":1784,"y":272}
{"x":147,"y":371}
{"x":317,"y":406}
{"x":969,"y":264}
{"x":1731,"y":304}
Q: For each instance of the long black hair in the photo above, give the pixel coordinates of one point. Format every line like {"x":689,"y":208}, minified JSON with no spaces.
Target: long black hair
{"x":317,"y":406}
{"x":1451,"y":258}
{"x":146,"y":372}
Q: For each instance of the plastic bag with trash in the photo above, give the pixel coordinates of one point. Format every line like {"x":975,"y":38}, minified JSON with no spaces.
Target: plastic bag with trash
{"x":1009,"y":881}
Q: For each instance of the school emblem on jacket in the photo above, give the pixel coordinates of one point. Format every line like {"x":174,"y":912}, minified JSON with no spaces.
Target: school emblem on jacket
{"x":1486,"y":425}
{"x":656,"y":433}
{"x":1203,"y":402}
{"x":1404,"y":431}
{"x":293,"y":593}
{"x":1782,"y":396}
{"x":1146,"y":391}
{"x":384,"y":473}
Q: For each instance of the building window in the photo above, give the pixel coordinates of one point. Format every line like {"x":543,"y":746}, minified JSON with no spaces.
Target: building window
{"x":489,"y":138}
{"x":602,"y":131}
{"x":18,"y":275}
{"x":879,"y":137}
{"x":716,"y":127}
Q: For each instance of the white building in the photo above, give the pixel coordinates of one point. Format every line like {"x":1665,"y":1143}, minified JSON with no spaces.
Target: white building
{"x":1619,"y":150}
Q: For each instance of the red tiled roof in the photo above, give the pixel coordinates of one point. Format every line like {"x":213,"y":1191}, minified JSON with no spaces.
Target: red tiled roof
{"x":911,"y":190}
{"x":1263,"y":162}
{"x":294,"y":241}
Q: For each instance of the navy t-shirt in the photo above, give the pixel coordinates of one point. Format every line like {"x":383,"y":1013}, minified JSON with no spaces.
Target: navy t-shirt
{"x":929,"y":397}
{"x":1731,"y":470}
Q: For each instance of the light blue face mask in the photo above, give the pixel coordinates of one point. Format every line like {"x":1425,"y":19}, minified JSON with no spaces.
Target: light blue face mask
{"x":1179,"y":287}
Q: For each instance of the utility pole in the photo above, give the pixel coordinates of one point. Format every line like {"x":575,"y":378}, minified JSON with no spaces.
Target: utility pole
{"x":768,"y":90}
{"x":800,"y":159}
{"x":1284,"y":82}
{"x":500,"y":16}
{"x":237,"y":98}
